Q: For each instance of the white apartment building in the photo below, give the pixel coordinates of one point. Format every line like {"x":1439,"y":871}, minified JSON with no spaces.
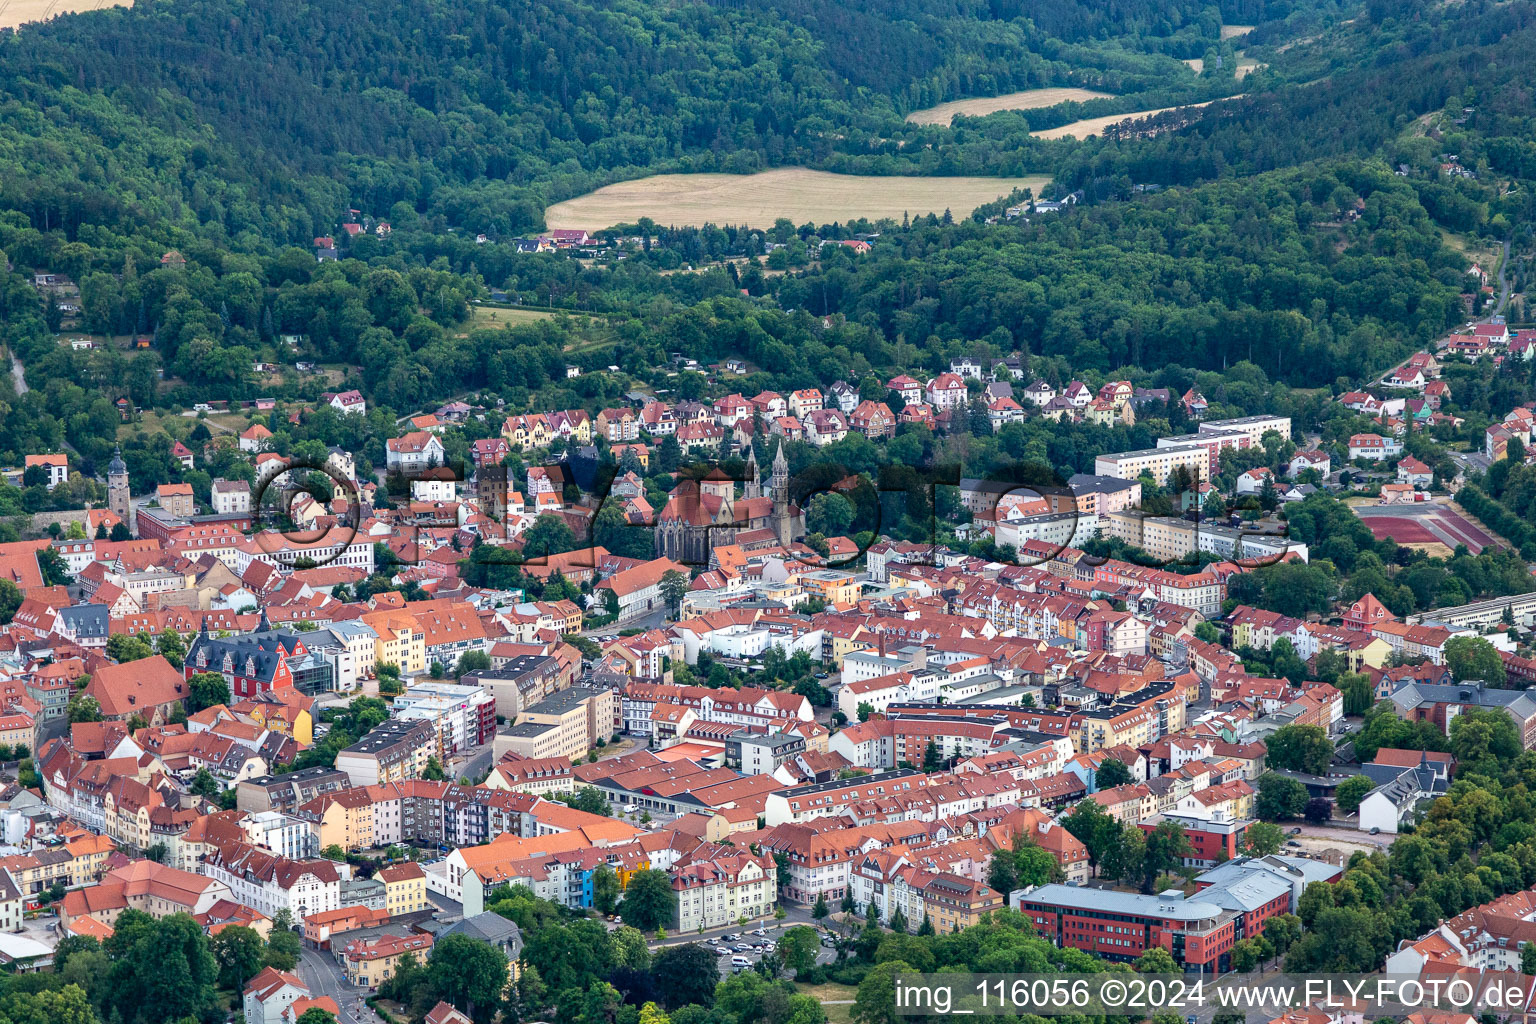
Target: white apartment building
{"x":270,"y":883}
{"x":720,"y":890}
{"x":283,"y":835}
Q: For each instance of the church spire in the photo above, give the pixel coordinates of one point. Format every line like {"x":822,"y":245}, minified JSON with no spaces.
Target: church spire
{"x":754,"y":485}
{"x":781,"y":523}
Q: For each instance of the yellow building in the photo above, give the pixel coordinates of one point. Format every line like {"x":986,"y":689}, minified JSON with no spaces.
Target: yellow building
{"x":18,"y":729}
{"x":88,"y":858}
{"x":285,"y":720}
{"x":566,"y":724}
{"x":405,"y":888}
{"x":343,"y":819}
{"x":372,"y":961}
{"x":952,"y":902}
{"x":832,"y":585}
{"x":401,"y":641}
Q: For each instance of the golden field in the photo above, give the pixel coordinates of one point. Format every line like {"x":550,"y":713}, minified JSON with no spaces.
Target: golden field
{"x":757,"y":200}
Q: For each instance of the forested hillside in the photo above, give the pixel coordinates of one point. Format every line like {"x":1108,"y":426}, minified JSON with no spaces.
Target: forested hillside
{"x":270,"y":116}
{"x":1304,"y":230}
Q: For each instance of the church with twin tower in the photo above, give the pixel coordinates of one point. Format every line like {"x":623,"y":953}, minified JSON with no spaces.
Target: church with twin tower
{"x":702,"y":514}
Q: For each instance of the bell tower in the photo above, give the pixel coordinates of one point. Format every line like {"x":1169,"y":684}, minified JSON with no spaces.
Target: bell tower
{"x":119,"y":500}
{"x":780,"y":489}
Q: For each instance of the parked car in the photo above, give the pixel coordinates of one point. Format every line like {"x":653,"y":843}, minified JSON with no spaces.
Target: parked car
{"x":724,"y":951}
{"x":1295,"y":831}
{"x":1375,"y":830}
{"x":742,"y":947}
{"x":1293,"y":843}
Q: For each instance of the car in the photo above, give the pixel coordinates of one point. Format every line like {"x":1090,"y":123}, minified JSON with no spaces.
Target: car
{"x":742,"y":947}
{"x":714,"y":942}
{"x":1375,"y":830}
{"x":724,"y":951}
{"x":731,"y":937}
{"x":1295,"y":831}
{"x":1293,"y":843}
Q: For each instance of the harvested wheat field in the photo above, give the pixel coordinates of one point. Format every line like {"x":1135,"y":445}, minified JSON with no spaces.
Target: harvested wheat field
{"x":1096,"y":125}
{"x":1029,"y":99}
{"x":757,"y":200}
{"x":1196,"y":64}
{"x":20,"y":12}
{"x":1231,"y":31}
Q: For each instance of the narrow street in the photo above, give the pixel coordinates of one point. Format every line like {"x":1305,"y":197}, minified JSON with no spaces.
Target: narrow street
{"x":322,"y":974}
{"x":1503,"y":282}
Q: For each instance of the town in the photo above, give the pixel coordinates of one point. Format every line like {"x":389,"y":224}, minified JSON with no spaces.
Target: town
{"x":622,"y":664}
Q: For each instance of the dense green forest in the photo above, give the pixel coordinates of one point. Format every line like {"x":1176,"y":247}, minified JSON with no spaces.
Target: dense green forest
{"x":273,"y":117}
{"x":1301,"y":233}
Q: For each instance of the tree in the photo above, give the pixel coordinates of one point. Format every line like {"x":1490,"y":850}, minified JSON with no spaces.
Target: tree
{"x":1280,"y":798}
{"x":1245,"y":955}
{"x":162,"y":969}
{"x":1165,"y":848}
{"x":549,"y":535}
{"x":591,"y":800}
{"x":1112,"y":772}
{"x":170,"y":646}
{"x":1351,"y":791}
{"x":1300,"y":748}
{"x":472,"y":661}
{"x":1358,"y":693}
{"x":1472,"y":657}
{"x":1156,"y":960}
{"x":126,"y":647}
{"x":875,"y":1002}
{"x":799,"y":945}
{"x":10,"y":600}
{"x":1002,"y":875}
{"x":1093,"y":826}
{"x":932,"y":760}
{"x":469,"y":973}
{"x":649,"y":901}
{"x":1528,"y":958}
{"x":205,"y":785}
{"x":316,"y":1015}
{"x":1281,"y":932}
{"x":685,"y":974}
{"x":1319,"y":810}
{"x":1261,"y":839}
{"x":820,"y":910}
{"x":433,"y":772}
{"x":865,"y":709}
{"x":83,"y":709}
{"x":204,"y":690}
{"x":830,"y":514}
{"x":283,"y":945}
{"x":674,"y":587}
{"x":238,"y":951}
{"x":605,"y":889}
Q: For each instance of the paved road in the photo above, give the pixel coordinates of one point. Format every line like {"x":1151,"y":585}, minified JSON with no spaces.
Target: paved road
{"x":322,"y":974}
{"x":1503,"y":282}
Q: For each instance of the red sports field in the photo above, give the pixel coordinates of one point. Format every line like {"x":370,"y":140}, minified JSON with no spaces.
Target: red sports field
{"x":1425,"y":524}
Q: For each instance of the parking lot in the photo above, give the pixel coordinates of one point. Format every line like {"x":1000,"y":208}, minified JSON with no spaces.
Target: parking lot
{"x":741,"y":951}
